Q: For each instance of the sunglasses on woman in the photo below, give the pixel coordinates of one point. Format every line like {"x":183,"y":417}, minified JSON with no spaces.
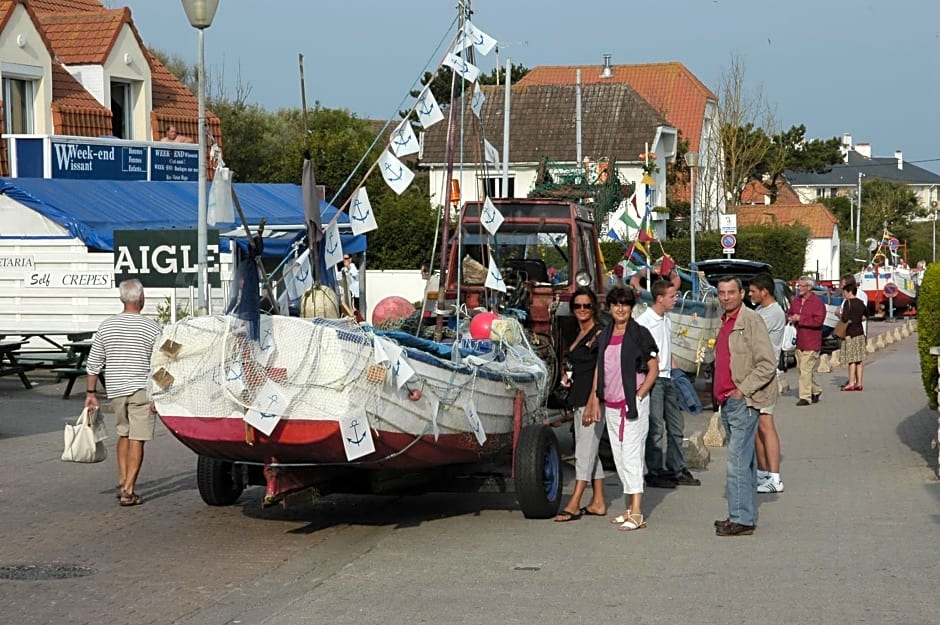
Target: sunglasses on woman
{"x":582,"y":306}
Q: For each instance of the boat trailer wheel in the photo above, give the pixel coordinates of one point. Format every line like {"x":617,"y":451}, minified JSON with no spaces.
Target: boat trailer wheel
{"x":219,"y":482}
{"x":538,"y":472}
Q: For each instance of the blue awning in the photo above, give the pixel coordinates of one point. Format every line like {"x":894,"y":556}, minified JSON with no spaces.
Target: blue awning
{"x":91,"y":210}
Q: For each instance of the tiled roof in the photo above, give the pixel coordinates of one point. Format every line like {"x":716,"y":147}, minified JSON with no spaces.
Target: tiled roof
{"x":615,"y":123}
{"x":74,"y":110}
{"x":816,"y":217}
{"x":84,"y":38}
{"x":670,"y":87}
{"x":755,"y":192}
{"x":174,"y":104}
{"x":64,"y":6}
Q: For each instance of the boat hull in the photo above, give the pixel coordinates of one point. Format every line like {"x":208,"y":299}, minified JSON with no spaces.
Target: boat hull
{"x":873,"y":282}
{"x":695,"y":324}
{"x":331,"y":373}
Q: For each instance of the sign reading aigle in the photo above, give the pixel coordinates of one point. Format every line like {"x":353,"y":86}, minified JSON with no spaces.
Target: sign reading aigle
{"x":163,"y":258}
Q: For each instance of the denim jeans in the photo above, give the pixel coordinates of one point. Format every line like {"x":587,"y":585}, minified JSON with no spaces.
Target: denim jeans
{"x":666,"y":422}
{"x":740,"y":422}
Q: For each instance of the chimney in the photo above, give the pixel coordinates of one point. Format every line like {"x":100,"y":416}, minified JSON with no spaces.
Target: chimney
{"x":863,"y":149}
{"x":898,"y":154}
{"x":846,"y":147}
{"x":607,"y":71}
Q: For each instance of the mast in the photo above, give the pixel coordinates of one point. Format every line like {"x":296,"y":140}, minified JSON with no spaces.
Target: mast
{"x":463,"y":9}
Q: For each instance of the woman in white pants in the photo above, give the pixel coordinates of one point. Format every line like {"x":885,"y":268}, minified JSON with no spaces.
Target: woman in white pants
{"x":626,"y":352}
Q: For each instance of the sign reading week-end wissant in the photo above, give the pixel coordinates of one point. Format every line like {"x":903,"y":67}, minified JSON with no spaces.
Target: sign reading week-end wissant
{"x":84,"y":158}
{"x":163,"y":258}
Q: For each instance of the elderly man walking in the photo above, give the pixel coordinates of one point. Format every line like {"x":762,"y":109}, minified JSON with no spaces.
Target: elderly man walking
{"x":808,"y":313}
{"x":124,"y":344}
{"x":745,"y":383}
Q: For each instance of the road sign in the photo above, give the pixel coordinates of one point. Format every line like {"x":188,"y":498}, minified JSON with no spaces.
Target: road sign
{"x":728,"y":241}
{"x":894,"y":244}
{"x":728,"y":224}
{"x":891,"y":290}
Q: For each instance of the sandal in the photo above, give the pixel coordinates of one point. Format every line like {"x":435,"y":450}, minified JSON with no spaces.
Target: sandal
{"x":130,"y":499}
{"x":619,"y":520}
{"x":633,"y":522}
{"x":564,"y":516}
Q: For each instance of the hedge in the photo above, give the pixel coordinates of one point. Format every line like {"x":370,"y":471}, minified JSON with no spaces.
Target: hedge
{"x":928,"y":329}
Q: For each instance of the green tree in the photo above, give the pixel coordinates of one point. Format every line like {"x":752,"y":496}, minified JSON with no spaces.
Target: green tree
{"x":928,"y":330}
{"x":442,"y":83}
{"x":497,"y":75}
{"x":790,"y":151}
{"x":186,"y":72}
{"x":890,"y":205}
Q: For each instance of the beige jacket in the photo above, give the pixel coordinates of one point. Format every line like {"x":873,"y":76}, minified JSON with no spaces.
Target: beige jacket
{"x":753,"y":362}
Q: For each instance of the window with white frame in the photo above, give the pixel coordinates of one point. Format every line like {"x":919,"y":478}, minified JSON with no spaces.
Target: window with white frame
{"x":19,"y":104}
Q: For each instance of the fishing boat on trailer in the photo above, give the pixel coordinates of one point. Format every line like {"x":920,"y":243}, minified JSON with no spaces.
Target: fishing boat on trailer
{"x":888,"y":277}
{"x":339,"y":406}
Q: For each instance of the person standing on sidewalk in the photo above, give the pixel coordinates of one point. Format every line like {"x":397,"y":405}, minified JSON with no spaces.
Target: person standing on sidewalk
{"x":666,"y":420}
{"x":626,"y":366}
{"x":579,"y":378}
{"x":853,"y":347}
{"x":745,"y":383}
{"x":808,"y":313}
{"x":124,"y":344}
{"x":761,"y":291}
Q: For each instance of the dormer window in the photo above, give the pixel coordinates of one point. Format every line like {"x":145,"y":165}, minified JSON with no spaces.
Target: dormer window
{"x":20,"y":89}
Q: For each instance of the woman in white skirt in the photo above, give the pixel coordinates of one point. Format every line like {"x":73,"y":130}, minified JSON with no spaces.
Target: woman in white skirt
{"x":626,"y":352}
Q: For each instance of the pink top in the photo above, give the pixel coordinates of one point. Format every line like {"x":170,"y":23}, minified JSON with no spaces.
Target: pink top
{"x":614,"y":394}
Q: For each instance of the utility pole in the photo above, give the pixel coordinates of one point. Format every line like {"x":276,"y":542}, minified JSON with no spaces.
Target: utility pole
{"x":858,"y":222}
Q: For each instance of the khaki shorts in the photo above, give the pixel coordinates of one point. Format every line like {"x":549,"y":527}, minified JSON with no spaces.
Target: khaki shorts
{"x":767,"y":410}
{"x":134,"y":417}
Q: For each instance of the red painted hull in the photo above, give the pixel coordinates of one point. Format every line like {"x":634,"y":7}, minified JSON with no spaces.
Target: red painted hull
{"x":319,"y":442}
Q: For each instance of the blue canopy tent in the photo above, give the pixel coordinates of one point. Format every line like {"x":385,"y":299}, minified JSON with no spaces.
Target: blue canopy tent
{"x":91,"y":210}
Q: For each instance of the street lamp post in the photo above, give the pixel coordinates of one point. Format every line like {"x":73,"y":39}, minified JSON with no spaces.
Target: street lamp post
{"x":691,"y":159}
{"x":858,"y":221}
{"x":933,"y":205}
{"x":200,"y":14}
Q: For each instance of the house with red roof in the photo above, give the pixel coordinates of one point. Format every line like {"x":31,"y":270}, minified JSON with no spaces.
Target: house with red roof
{"x":822,"y":253}
{"x":76,"y":68}
{"x":685,"y":102}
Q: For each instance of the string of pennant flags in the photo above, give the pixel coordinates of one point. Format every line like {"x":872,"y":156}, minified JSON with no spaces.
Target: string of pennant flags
{"x":403,"y":142}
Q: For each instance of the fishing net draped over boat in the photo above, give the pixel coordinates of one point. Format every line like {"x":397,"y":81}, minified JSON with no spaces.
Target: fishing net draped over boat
{"x":328,"y":369}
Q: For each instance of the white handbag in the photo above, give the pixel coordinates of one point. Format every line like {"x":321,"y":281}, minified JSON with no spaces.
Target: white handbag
{"x":84,"y":440}
{"x":789,"y":337}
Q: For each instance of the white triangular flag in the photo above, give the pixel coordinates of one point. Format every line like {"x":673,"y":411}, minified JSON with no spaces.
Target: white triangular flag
{"x":404,"y":141}
{"x":490,"y":153}
{"x":465,"y":69}
{"x":435,"y":403}
{"x":491,"y":218}
{"x":402,"y":370}
{"x":478,"y":39}
{"x":378,"y":351}
{"x":429,"y":113}
{"x":332,"y":245}
{"x":298,"y":276}
{"x":283,"y":303}
{"x":361,"y":217}
{"x":476,"y":104}
{"x":494,"y":278}
{"x":396,"y":175}
{"x":357,"y":435}
{"x":476,"y":426}
{"x":270,"y":404}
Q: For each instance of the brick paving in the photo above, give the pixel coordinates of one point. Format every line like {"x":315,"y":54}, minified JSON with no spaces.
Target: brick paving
{"x":850,"y":541}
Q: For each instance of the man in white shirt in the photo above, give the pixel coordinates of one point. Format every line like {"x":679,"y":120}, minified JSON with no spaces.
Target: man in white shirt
{"x":767,"y":442}
{"x":666,"y":419}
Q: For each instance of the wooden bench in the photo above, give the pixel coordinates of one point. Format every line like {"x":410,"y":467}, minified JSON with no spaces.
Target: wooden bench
{"x":45,"y":359}
{"x":72,"y":374}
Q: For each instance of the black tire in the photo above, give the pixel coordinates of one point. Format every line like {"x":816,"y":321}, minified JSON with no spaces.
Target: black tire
{"x":219,"y":482}
{"x":538,"y":472}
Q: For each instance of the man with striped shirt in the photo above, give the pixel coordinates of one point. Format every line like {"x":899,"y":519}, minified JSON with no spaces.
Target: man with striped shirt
{"x":124,"y":343}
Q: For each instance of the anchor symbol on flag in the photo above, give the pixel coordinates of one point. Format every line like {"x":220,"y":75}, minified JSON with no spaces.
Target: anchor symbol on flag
{"x":355,"y":427}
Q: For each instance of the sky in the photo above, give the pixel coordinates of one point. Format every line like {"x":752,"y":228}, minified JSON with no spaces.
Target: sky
{"x":836,"y":66}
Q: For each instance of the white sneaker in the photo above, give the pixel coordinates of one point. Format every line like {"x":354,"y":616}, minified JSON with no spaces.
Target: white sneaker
{"x":770,"y":486}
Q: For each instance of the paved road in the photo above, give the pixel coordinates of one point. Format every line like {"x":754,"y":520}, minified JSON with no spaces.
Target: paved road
{"x":850,"y":541}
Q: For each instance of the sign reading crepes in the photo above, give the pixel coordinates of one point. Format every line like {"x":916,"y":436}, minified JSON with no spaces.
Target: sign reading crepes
{"x":64,"y":279}
{"x":163,"y":258}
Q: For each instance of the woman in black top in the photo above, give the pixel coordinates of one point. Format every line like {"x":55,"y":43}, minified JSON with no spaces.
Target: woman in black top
{"x":853,"y":346}
{"x":581,"y":358}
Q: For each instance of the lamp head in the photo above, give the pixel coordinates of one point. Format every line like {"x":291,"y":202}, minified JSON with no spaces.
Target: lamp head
{"x":200,"y":12}
{"x":691,"y":159}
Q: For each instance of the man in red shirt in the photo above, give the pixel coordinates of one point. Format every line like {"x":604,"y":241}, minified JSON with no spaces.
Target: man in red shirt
{"x":808,"y":313}
{"x":745,"y":382}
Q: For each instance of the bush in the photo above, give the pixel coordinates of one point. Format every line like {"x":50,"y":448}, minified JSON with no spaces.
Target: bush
{"x":928,"y":329}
